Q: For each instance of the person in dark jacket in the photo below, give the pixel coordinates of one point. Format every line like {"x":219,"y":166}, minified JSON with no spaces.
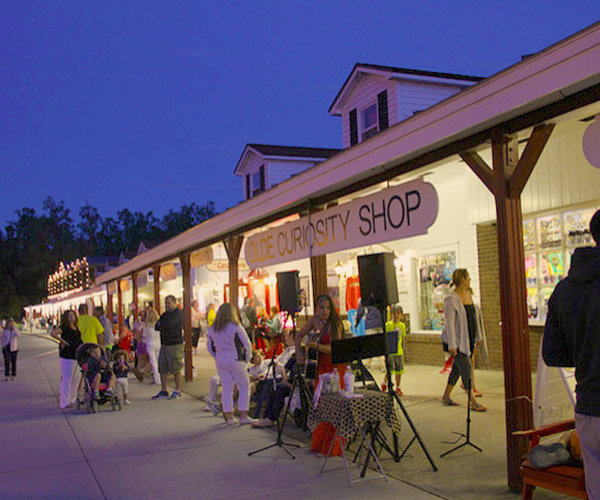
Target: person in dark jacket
{"x":572,"y":338}
{"x":170,"y":326}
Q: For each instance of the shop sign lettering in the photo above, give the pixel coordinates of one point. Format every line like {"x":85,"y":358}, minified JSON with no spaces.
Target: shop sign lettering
{"x":395,"y":213}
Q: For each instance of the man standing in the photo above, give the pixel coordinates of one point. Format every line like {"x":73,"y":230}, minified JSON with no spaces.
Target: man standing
{"x":170,"y":326}
{"x":249,"y":318}
{"x":109,"y":336}
{"x":572,"y":338}
{"x":89,"y":326}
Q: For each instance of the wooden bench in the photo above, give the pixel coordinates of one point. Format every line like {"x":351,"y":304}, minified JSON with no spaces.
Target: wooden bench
{"x":565,"y":479}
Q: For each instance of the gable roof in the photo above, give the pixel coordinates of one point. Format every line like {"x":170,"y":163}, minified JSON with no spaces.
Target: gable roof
{"x":273,"y":151}
{"x":394,"y":72}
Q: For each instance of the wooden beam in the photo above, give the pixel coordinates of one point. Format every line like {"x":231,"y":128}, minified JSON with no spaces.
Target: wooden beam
{"x":513,"y":305}
{"x":533,"y":150}
{"x":480,"y":168}
{"x":119,"y":307}
{"x":233,"y":245}
{"x":156,"y":276}
{"x":186,"y":269}
{"x":135,"y":295}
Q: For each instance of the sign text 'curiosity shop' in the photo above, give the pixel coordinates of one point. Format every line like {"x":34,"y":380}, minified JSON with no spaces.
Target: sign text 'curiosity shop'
{"x":395,"y":213}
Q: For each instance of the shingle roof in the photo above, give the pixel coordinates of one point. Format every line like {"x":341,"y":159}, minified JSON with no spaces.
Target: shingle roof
{"x":293,"y":151}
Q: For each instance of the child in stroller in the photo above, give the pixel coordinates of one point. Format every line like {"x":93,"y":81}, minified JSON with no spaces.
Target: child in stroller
{"x":99,"y":380}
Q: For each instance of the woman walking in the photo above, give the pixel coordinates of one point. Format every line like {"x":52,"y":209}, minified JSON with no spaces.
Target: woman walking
{"x":10,"y":348}
{"x":461,"y":335}
{"x":151,"y":338}
{"x":69,"y":338}
{"x":230,"y":345}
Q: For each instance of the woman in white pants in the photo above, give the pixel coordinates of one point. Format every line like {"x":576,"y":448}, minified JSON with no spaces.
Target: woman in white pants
{"x":152,"y":340}
{"x":229,"y":344}
{"x":69,"y":337}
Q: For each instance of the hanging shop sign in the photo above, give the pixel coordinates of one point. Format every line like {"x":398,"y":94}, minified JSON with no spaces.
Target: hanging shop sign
{"x":142,"y":279}
{"x":223,"y":265}
{"x":111,"y":287}
{"x":168,"y":272}
{"x":392,"y":214}
{"x":201,"y":257}
{"x":124,"y":285}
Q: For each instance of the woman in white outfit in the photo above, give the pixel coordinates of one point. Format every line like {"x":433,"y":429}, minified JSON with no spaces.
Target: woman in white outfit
{"x":229,"y":344}
{"x":151,"y":338}
{"x":69,"y":338}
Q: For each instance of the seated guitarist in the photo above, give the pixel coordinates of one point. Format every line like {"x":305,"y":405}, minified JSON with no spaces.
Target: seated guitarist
{"x":328,"y":324}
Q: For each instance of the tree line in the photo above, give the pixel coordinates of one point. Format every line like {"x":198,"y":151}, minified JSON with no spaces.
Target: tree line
{"x":32,"y":246}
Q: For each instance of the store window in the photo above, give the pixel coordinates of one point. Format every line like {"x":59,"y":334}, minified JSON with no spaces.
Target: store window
{"x":549,"y":242}
{"x":433,"y":270}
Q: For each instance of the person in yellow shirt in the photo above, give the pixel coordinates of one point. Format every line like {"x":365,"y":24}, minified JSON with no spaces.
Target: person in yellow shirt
{"x":210,"y":314}
{"x":396,"y":360}
{"x":91,"y":329}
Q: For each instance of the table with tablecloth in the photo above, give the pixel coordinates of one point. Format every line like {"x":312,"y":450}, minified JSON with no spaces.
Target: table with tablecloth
{"x":351,"y":415}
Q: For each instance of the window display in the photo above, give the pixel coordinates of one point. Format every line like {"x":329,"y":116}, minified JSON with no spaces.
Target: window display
{"x":433,"y":270}
{"x":549,"y":242}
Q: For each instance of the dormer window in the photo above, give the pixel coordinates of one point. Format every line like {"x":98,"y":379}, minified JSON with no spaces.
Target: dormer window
{"x":369,"y":123}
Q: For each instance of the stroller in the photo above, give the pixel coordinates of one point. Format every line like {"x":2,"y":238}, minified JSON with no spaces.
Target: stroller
{"x":86,"y":398}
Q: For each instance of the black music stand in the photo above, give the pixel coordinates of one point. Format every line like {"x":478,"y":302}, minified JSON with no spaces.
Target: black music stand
{"x":297,"y":383}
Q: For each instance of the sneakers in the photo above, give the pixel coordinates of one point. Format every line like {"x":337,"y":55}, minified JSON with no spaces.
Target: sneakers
{"x":161,"y":395}
{"x":127,"y":402}
{"x":110,"y":391}
{"x":213,"y":407}
{"x":399,"y":392}
{"x":543,"y":456}
{"x":246,"y":421}
{"x":262,"y":423}
{"x":175,"y":395}
{"x":230,"y":422}
{"x":96,"y":395}
{"x":383,"y":387}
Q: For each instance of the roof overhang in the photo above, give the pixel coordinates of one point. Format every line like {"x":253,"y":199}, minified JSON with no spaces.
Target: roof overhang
{"x":555,"y":81}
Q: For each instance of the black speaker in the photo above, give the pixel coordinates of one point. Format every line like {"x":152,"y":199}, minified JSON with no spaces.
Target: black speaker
{"x":288,"y":291}
{"x":377,"y":275}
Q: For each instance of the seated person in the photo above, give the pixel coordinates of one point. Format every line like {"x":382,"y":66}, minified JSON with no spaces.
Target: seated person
{"x":257,"y":373}
{"x":277,"y":397}
{"x":99,"y":372}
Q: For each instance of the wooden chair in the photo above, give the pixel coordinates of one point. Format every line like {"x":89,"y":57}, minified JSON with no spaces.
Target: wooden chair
{"x":565,"y":479}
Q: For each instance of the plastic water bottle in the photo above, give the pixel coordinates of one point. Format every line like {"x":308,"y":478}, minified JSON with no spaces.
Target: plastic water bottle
{"x":349,"y":380}
{"x":335,"y":382}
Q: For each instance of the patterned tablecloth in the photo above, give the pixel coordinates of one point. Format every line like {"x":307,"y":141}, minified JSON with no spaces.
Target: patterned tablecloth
{"x":351,"y":414}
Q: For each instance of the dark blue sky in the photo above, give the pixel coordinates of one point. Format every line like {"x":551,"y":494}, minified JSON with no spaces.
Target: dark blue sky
{"x":148,"y":104}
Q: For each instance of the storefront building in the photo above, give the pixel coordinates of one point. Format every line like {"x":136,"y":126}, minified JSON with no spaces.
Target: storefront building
{"x":495,"y":175}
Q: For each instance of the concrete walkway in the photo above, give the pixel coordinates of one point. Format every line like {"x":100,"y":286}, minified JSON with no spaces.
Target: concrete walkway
{"x":150,"y":450}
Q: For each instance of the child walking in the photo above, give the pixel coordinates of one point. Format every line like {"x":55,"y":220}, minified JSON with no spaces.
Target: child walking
{"x":121,"y":368}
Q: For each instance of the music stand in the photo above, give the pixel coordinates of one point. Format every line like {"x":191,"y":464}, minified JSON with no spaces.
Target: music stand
{"x":279,"y":442}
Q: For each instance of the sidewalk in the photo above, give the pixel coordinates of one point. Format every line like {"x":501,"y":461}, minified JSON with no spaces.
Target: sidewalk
{"x":467,"y":473}
{"x":151,"y":449}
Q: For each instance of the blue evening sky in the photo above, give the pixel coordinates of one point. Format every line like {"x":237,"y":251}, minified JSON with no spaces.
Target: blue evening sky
{"x":149,"y":104}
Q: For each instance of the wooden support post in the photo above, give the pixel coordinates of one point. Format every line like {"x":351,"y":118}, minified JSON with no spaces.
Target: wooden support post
{"x":119,"y":307}
{"x":506,"y":181}
{"x":233,"y":245}
{"x":318,"y":271}
{"x":156,"y":276}
{"x":186,"y":269}
{"x":135,"y":296}
{"x":109,"y":305}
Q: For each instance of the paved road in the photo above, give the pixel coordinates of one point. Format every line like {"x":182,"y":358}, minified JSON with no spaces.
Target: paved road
{"x":150,"y":450}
